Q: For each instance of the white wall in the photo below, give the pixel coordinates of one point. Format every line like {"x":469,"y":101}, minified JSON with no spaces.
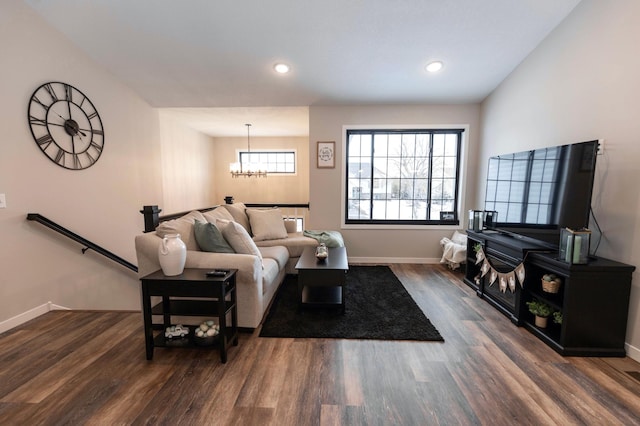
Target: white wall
{"x":385,"y":245}
{"x":101,"y":203}
{"x":188,"y":167}
{"x":583,"y":83}
{"x":291,"y":189}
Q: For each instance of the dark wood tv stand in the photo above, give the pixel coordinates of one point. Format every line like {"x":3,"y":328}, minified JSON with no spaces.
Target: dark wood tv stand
{"x":593,"y":298}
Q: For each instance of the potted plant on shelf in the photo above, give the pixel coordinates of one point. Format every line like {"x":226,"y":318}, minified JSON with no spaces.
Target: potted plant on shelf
{"x":557,"y":317}
{"x":541,"y":310}
{"x":551,"y":283}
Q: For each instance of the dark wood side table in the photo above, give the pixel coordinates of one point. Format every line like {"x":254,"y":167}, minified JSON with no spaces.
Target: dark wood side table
{"x":200,"y":295}
{"x":321,"y":282}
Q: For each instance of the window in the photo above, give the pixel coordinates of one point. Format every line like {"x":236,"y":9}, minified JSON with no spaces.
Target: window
{"x":402,"y":176}
{"x":283,"y":162}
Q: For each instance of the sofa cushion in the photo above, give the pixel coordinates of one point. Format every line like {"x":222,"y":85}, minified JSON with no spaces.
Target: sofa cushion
{"x":210,"y":238}
{"x":266,"y":224}
{"x":182,"y":226}
{"x":278,"y":253}
{"x":238,"y":238}
{"x":238,"y":212}
{"x":218,"y":213}
{"x":270,"y":271}
{"x":291,"y":225}
{"x":294,"y":243}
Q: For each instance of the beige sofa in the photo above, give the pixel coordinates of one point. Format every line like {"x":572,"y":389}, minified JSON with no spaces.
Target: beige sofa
{"x":264,"y":254}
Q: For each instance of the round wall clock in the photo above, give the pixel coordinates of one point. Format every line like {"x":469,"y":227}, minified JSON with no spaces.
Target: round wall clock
{"x":66,"y":126}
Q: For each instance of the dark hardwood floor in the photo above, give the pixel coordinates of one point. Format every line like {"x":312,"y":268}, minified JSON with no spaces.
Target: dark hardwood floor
{"x":76,"y":367}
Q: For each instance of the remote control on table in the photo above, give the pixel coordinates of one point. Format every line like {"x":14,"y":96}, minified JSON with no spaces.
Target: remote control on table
{"x":217,"y":273}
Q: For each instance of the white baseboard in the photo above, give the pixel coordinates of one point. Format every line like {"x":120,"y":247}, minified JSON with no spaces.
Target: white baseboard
{"x":386,"y":260}
{"x":29,"y":315}
{"x":632,"y":352}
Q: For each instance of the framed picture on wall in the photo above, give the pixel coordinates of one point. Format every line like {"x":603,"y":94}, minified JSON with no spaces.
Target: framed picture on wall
{"x":326,"y":155}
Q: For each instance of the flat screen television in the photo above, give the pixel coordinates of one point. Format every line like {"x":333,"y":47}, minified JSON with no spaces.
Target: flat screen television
{"x":537,"y":193}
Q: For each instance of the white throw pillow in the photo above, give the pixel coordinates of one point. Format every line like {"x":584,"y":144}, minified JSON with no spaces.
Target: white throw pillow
{"x":238,"y":238}
{"x":266,"y":224}
{"x":182,"y":226}
{"x":218,"y":213}
{"x":238,"y":211}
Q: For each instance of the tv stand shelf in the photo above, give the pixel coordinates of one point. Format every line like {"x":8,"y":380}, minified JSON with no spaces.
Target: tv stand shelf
{"x":593,"y":298}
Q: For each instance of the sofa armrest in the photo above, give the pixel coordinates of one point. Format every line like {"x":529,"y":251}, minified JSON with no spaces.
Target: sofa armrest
{"x":249,"y":266}
{"x":147,"y":253}
{"x":249,"y":281}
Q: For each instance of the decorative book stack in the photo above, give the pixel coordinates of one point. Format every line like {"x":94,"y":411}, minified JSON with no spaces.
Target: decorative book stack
{"x":574,"y":246}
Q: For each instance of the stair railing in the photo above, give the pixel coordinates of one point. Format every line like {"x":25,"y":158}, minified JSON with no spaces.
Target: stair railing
{"x":88,"y":244}
{"x":152,"y":216}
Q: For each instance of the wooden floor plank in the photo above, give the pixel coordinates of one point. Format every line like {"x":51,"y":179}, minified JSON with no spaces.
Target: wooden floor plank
{"x":82,"y":367}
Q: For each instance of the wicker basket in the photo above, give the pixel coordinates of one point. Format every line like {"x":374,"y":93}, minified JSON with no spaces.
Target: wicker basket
{"x":550,"y":286}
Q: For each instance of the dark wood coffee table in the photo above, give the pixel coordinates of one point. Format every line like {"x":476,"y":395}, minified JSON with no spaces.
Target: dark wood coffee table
{"x":321,"y":282}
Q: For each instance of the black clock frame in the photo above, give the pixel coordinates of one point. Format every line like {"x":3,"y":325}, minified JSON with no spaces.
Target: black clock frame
{"x":66,"y":125}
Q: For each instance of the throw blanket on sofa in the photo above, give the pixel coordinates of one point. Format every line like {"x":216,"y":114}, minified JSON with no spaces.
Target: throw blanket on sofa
{"x":329,"y":238}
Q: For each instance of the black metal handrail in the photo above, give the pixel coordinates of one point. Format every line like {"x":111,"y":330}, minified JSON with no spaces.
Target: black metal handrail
{"x":152,"y":216}
{"x":88,"y":244}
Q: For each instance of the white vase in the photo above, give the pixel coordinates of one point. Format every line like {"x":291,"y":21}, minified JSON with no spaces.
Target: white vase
{"x":172,"y":255}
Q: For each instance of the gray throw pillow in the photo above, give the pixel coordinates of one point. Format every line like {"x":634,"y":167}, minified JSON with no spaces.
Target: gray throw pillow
{"x":210,"y":238}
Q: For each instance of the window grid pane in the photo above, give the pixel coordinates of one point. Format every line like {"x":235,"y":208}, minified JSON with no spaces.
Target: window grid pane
{"x":276,"y":162}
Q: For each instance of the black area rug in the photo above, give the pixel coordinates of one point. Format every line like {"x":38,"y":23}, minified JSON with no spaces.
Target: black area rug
{"x":377,"y":307}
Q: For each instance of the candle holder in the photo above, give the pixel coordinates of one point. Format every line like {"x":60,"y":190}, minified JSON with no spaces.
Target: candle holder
{"x":574,"y":246}
{"x":490,"y":219}
{"x":475,"y":220}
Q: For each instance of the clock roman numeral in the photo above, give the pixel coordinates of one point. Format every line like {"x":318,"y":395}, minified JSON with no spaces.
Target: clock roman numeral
{"x":91,"y":159}
{"x":93,"y":115}
{"x":68,"y":92}
{"x":44,"y":141}
{"x":60,"y":157}
{"x":76,"y":162}
{"x":38,"y":101}
{"x":97,"y":132}
{"x":96,"y":146}
{"x":38,"y":121}
{"x":51,"y":91}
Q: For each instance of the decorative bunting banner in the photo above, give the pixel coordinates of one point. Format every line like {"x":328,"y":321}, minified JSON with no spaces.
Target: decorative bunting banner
{"x":505,"y":279}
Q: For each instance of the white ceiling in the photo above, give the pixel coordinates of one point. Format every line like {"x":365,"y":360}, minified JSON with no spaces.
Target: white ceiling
{"x":204,"y":54}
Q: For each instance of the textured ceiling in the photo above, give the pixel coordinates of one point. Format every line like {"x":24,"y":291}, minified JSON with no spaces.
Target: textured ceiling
{"x":220,"y":54}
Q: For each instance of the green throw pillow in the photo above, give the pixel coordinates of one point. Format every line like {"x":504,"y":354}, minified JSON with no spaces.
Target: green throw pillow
{"x":210,"y":238}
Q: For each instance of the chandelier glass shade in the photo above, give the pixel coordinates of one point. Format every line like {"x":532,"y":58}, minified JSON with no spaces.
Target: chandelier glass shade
{"x":247,"y":169}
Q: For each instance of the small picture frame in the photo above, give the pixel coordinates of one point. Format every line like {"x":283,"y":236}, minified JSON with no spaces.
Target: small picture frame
{"x":326,"y":155}
{"x":449,"y":216}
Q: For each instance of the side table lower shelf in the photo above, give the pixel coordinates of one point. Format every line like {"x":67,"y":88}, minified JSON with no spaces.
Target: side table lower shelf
{"x":160,"y":341}
{"x":199,"y":296}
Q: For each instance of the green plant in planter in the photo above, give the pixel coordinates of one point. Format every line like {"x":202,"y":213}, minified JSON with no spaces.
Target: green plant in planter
{"x":557,"y":317}
{"x":539,"y":309}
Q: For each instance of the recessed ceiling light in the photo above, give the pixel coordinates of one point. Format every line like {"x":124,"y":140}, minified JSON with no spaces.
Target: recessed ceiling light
{"x":281,"y":68}
{"x":434,"y":66}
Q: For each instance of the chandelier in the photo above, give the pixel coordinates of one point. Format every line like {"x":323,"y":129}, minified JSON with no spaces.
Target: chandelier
{"x":247,"y":169}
